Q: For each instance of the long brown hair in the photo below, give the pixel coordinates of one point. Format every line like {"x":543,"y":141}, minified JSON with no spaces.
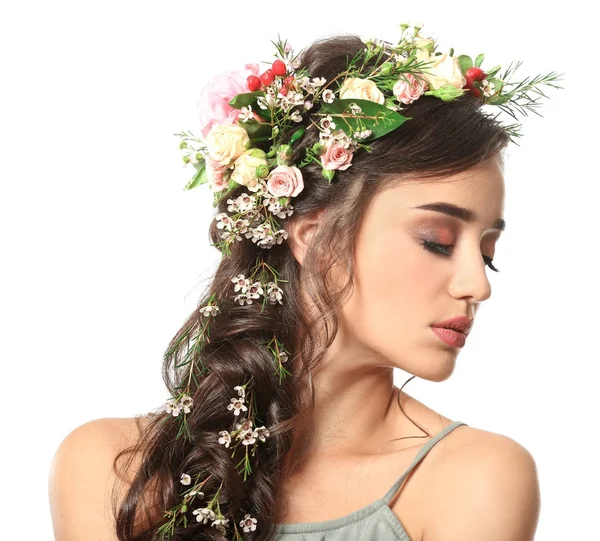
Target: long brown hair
{"x":439,"y":139}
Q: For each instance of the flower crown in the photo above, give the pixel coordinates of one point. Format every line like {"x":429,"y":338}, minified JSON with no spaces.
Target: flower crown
{"x":250,"y":124}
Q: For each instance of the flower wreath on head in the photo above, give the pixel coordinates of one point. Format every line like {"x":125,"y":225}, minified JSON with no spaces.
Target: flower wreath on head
{"x":247,"y":117}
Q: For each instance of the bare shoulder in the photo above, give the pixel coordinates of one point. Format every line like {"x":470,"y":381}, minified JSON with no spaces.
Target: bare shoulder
{"x":82,"y":478}
{"x":486,"y":487}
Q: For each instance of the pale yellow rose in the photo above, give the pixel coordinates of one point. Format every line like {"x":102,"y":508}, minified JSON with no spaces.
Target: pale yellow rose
{"x":442,"y":69}
{"x":226,"y":142}
{"x":361,"y":89}
{"x":246,"y":165}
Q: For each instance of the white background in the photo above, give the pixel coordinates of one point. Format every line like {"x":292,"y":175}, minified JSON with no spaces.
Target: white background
{"x":103,"y":254}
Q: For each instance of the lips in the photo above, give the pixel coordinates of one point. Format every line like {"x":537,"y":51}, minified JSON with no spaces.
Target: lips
{"x":461,"y":324}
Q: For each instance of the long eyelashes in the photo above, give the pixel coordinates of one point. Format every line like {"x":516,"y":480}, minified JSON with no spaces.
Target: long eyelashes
{"x":442,"y":249}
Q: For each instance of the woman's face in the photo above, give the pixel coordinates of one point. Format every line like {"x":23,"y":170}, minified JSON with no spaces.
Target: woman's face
{"x":401,"y":288}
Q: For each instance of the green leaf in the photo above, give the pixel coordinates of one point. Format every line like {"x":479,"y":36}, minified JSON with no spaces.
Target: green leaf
{"x":296,"y":135}
{"x":465,"y":62}
{"x":328,"y":174}
{"x":492,"y":71}
{"x":375,"y":117}
{"x":499,"y":100}
{"x":199,"y":178}
{"x":243,"y":100}
{"x":257,"y":131}
{"x":479,"y":60}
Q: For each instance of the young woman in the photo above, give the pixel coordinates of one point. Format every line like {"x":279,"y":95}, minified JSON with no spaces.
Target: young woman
{"x":359,"y":195}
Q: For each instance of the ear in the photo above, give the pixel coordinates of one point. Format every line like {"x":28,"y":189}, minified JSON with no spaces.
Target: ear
{"x":301,"y":231}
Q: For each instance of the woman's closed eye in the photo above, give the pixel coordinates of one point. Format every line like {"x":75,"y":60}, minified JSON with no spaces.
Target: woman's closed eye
{"x":443,"y":249}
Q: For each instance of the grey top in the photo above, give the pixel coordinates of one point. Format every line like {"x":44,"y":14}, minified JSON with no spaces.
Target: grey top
{"x":375,"y":522}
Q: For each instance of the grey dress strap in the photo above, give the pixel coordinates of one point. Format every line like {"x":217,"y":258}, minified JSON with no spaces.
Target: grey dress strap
{"x":422,"y":452}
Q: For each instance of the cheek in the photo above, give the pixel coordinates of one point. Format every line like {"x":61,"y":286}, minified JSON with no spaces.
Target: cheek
{"x":393,"y":282}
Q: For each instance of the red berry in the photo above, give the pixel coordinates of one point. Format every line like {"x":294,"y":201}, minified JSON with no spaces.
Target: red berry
{"x":279,"y":67}
{"x":253,"y":83}
{"x":475,"y":73}
{"x":469,"y":83}
{"x":475,"y":91}
{"x":267,"y":77}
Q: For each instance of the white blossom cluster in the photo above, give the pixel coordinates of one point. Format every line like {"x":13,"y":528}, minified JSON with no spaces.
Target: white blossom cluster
{"x":244,"y":431}
{"x":175,"y":407}
{"x":248,"y":206}
{"x":253,"y":290}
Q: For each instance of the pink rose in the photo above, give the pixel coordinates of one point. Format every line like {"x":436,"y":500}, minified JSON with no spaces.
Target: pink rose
{"x":336,"y":157}
{"x":409,"y":91}
{"x":213,"y":104}
{"x":285,"y":181}
{"x":218,"y":175}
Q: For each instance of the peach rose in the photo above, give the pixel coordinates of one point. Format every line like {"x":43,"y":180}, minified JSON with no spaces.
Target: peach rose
{"x":285,"y":181}
{"x":409,"y":90}
{"x":361,"y":89}
{"x":336,"y":157}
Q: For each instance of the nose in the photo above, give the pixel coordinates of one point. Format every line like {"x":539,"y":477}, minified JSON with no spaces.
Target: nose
{"x":470,"y":279}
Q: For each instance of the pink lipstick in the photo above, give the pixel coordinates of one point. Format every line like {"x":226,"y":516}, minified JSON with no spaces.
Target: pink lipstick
{"x":453,"y":331}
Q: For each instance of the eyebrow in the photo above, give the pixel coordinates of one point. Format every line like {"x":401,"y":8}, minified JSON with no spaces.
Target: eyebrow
{"x":464,"y":214}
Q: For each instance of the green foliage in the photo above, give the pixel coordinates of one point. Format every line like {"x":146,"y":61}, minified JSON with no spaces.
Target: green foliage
{"x":243,"y":100}
{"x":375,"y":117}
{"x":199,"y":178}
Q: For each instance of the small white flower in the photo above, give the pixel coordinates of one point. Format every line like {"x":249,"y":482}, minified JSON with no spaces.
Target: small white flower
{"x":186,"y":403}
{"x":248,"y":523}
{"x":274,"y":293}
{"x":204,"y":515}
{"x":237,"y":405}
{"x":193,"y":493}
{"x":325,"y":136}
{"x":327,"y":123}
{"x":172,"y":408}
{"x":308,"y":105}
{"x":241,"y":283}
{"x":225,"y":438}
{"x":240,"y":390}
{"x":328,"y":96}
{"x":283,"y":356}
{"x":209,"y":310}
{"x":220,"y":524}
{"x":255,"y":290}
{"x":296,"y":116}
{"x":223,"y":221}
{"x":262,"y":433}
{"x":488,"y":88}
{"x":282,"y":234}
{"x":242,"y":299}
{"x":246,"y":113}
{"x":319,"y":81}
{"x":185,"y":479}
{"x":355,"y":109}
{"x":362,"y":134}
{"x":249,"y":438}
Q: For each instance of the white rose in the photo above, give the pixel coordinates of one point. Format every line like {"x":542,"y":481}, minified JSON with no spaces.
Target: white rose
{"x":361,"y":89}
{"x":226,"y":142}
{"x":246,"y":165}
{"x":442,"y":69}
